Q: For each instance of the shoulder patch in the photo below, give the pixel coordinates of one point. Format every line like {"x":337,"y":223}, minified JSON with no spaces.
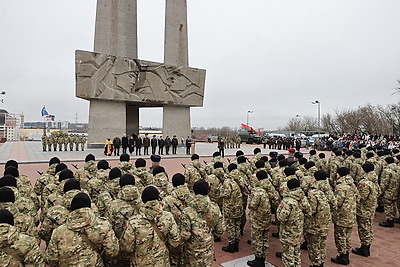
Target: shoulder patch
{"x":281,"y":205}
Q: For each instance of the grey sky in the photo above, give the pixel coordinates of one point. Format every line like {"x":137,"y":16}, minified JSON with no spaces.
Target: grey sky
{"x":272,"y":57}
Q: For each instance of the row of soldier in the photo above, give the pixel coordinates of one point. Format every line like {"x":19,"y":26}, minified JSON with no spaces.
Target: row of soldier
{"x":58,"y":140}
{"x":230,"y":142}
{"x":129,"y":197}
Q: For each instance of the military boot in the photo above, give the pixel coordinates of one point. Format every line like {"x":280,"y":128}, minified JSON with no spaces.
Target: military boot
{"x":229,"y":248}
{"x":342,"y":259}
{"x":303,"y":246}
{"x":380,"y":208}
{"x":362,"y":251}
{"x":397,"y":220}
{"x":257,"y":262}
{"x":388,"y":223}
{"x":236,"y":246}
{"x":278,"y":255}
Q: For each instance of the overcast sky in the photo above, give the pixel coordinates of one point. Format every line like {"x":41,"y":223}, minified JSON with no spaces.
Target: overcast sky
{"x":272,"y":57}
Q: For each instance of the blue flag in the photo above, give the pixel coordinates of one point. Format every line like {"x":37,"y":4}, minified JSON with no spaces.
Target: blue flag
{"x":44,"y":111}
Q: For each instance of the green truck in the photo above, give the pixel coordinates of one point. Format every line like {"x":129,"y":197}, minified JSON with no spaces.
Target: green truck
{"x":249,"y":137}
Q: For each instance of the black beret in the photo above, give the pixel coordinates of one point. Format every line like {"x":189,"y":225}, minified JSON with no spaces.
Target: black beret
{"x":103,"y":165}
{"x":283,"y":163}
{"x":80,"y":200}
{"x":11,"y":162}
{"x":72,"y":184}
{"x":239,"y":153}
{"x":321,"y":155}
{"x":157,"y":170}
{"x":293,"y":183}
{"x":357,"y":155}
{"x":260,"y":164}
{"x":54,"y":160}
{"x":126,"y":179}
{"x":11,"y":171}
{"x":273,"y":154}
{"x":313,"y":152}
{"x":65,"y":174}
{"x":218,"y":164}
{"x":389,"y":160}
{"x":6,"y":195}
{"x":140,"y":163}
{"x":309,"y":164}
{"x":6,"y":217}
{"x":369,"y":155}
{"x":241,"y":159}
{"x":232,"y":167}
{"x":264,"y":158}
{"x":281,"y":157}
{"x":150,"y":193}
{"x":320,"y":175}
{"x":8,"y":180}
{"x":337,"y":152}
{"x":155,"y":158}
{"x":90,"y":157}
{"x":395,"y":151}
{"x":60,"y":167}
{"x":124,"y":157}
{"x":298,"y":154}
{"x":114,"y":173}
{"x":194,"y":156}
{"x":261,"y":175}
{"x":349,"y":152}
{"x":178,"y":179}
{"x":216,"y":154}
{"x":343,"y":171}
{"x":302,"y":161}
{"x":380,"y":153}
{"x":289,"y":171}
{"x":368,"y":167}
{"x":256,"y":150}
{"x":201,"y":187}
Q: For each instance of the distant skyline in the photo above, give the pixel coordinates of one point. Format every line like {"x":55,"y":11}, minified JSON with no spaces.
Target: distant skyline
{"x":271,"y":57}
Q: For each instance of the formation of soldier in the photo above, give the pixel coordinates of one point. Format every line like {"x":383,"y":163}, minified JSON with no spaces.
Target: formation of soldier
{"x":62,"y":141}
{"x":230,"y":142}
{"x":131,"y":215}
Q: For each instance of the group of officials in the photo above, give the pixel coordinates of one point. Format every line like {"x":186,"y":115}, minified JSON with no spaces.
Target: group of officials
{"x":132,"y":215}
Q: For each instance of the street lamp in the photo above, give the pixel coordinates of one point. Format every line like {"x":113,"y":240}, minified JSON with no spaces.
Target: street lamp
{"x":2,"y":93}
{"x":297,"y":128}
{"x":248,"y":112}
{"x":319,"y":115}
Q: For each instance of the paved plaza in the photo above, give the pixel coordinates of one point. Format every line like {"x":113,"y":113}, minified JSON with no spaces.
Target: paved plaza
{"x":384,"y":248}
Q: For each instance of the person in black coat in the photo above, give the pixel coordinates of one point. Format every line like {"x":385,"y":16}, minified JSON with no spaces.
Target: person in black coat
{"x":174,"y":143}
{"x":124,"y":142}
{"x":153,"y":144}
{"x":139,"y":143}
{"x":131,"y":144}
{"x":116,"y":144}
{"x":161,"y":144}
{"x":167,"y":144}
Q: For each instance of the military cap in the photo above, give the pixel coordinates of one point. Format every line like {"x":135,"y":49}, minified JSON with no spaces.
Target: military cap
{"x":126,"y":179}
{"x":320,"y":175}
{"x":65,"y":174}
{"x":155,"y":158}
{"x":11,"y":171}
{"x":6,"y":195}
{"x":54,"y":160}
{"x":260,"y":164}
{"x":216,"y":154}
{"x":368,"y":167}
{"x":293,"y":183}
{"x":124,"y":157}
{"x":218,"y":164}
{"x":178,"y":179}
{"x":194,"y":157}
{"x":343,"y":171}
{"x":11,"y":162}
{"x":232,"y":167}
{"x":298,"y":154}
{"x":60,"y":167}
{"x":157,"y":170}
{"x":201,"y":187}
{"x":256,"y":150}
{"x":150,"y":193}
{"x":80,"y":200}
{"x":239,"y":153}
{"x":273,"y":154}
{"x":6,"y":217}
{"x":72,"y":184}
{"x":8,"y":180}
{"x":90,"y":157}
{"x":103,"y":165}
{"x":261,"y":175}
{"x":309,"y":164}
{"x":289,"y":171}
{"x":140,"y":163}
{"x":291,"y":150}
{"x":114,"y":173}
{"x":241,"y":159}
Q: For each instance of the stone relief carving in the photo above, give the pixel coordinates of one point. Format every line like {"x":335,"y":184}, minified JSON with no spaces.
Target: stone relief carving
{"x":105,"y":77}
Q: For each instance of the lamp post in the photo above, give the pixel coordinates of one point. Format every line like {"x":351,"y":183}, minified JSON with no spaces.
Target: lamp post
{"x":319,"y":115}
{"x":2,"y":93}
{"x":248,"y":112}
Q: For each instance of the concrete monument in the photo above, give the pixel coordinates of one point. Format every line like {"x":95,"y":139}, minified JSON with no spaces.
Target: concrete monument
{"x":117,"y":84}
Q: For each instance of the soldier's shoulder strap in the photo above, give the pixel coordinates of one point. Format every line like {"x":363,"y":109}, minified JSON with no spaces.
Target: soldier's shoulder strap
{"x":155,"y":228}
{"x":11,"y":253}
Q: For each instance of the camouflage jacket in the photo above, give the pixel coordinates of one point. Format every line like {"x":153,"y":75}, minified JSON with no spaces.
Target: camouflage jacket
{"x":162,"y":183}
{"x":44,"y":180}
{"x":314,"y":158}
{"x":346,"y":196}
{"x":141,"y":240}
{"x":144,"y":176}
{"x":25,"y":205}
{"x":260,"y":201}
{"x":193,"y":173}
{"x":56,"y":216}
{"x":369,"y":191}
{"x":290,"y":214}
{"x":322,"y":165}
{"x":308,"y":179}
{"x":242,"y":181}
{"x":390,"y":182}
{"x":18,"y":249}
{"x":86,"y":173}
{"x":102,"y":175}
{"x":126,"y":167}
{"x":318,"y":222}
{"x":178,"y":200}
{"x":215,"y":181}
{"x":232,"y":197}
{"x":198,"y":224}
{"x":68,"y":247}
{"x":122,"y":208}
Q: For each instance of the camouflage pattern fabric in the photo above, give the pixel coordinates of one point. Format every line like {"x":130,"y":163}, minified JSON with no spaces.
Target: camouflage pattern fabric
{"x":342,"y":238}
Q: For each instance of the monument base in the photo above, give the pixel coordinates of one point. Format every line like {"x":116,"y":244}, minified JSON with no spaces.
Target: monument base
{"x":176,"y":121}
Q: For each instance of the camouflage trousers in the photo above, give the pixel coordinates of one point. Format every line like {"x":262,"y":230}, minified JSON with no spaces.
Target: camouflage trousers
{"x":365,"y":230}
{"x":291,"y":256}
{"x":316,"y":245}
{"x":49,"y":146}
{"x":175,"y":255}
{"x":390,"y":208}
{"x":243,"y":219}
{"x":44,"y":147}
{"x":342,"y":238}
{"x":233,"y":229}
{"x":259,"y":239}
{"x":71,"y":146}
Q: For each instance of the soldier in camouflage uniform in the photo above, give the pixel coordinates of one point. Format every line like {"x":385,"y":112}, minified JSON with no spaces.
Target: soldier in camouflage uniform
{"x":390,"y":189}
{"x":317,"y":225}
{"x":142,"y":176}
{"x":216,"y":181}
{"x":147,"y":233}
{"x":124,"y":164}
{"x":65,"y":141}
{"x":44,"y":142}
{"x":263,"y":197}
{"x":88,"y":171}
{"x":76,"y":141}
{"x":313,"y":156}
{"x":82,"y":141}
{"x":368,"y":190}
{"x":344,"y":218}
{"x":200,"y":221}
{"x":109,"y":191}
{"x":216,"y":158}
{"x":71,"y":142}
{"x":96,"y":184}
{"x":161,"y":181}
{"x":322,"y":164}
{"x":355,"y":167}
{"x":194,"y":172}
{"x":335,"y":163}
{"x":17,"y":249}
{"x":233,"y":208}
{"x":84,"y":238}
{"x":290,"y":214}
{"x":60,"y":140}
{"x":48,"y":142}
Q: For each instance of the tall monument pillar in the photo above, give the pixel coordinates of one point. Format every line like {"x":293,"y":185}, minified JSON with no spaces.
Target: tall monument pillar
{"x":115,"y":34}
{"x":176,"y":119}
